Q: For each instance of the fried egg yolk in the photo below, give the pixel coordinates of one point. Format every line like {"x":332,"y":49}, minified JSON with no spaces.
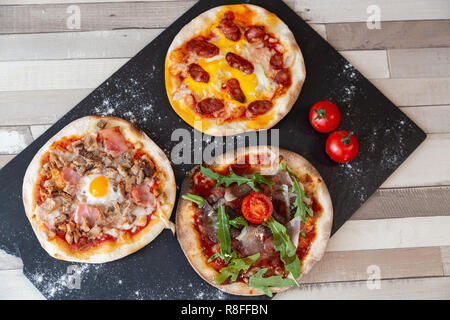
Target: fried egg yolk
{"x":99,"y":187}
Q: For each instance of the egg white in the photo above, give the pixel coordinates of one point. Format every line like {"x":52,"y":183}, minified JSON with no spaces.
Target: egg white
{"x":109,"y":199}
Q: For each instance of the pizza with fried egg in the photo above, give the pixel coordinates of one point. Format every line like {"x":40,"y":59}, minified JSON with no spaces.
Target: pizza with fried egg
{"x":255,"y":220}
{"x":98,"y":190}
{"x":232,"y":69}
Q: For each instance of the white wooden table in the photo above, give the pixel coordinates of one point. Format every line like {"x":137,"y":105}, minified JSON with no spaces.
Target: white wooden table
{"x":401,"y":235}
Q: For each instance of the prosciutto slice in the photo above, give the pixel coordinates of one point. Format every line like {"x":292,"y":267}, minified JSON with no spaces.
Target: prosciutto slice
{"x":143,"y":196}
{"x":70,"y":176}
{"x":86,"y":213}
{"x":114,"y":141}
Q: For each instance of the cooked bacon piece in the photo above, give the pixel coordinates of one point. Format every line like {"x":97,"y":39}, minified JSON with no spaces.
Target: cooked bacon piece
{"x":70,"y":176}
{"x":283,"y":77}
{"x":235,"y":91}
{"x":202,"y":48}
{"x":142,"y":195}
{"x":86,"y":213}
{"x":276,"y":61}
{"x":229,"y":28}
{"x":259,"y":107}
{"x":114,"y":141}
{"x":198,"y":73}
{"x":239,"y":63}
{"x":209,"y":105}
{"x":254,"y":33}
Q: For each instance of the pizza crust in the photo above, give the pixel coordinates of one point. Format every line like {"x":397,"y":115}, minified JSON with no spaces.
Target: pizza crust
{"x":283,"y":104}
{"x":189,"y":238}
{"x":107,"y":250}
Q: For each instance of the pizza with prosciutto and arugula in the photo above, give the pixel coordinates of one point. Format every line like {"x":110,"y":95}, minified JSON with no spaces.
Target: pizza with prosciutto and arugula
{"x":254,"y":221}
{"x":233,"y":69}
{"x":98,"y":190}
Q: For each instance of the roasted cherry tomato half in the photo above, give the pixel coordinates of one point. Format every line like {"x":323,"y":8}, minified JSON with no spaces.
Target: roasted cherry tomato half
{"x":342,"y":146}
{"x":257,"y":207}
{"x":324,"y":116}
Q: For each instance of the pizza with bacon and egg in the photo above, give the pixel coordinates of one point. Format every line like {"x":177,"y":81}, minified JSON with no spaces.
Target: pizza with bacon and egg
{"x":98,"y":190}
{"x":254,"y":222}
{"x":233,"y":69}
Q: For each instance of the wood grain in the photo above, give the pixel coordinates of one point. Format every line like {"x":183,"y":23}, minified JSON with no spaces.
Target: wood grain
{"x":431,"y":119}
{"x":426,"y":166}
{"x":393,"y":263}
{"x":419,"y":63}
{"x":391,"y":233}
{"x":373,"y":64}
{"x":405,"y":202}
{"x":392,"y":35}
{"x":14,"y":139}
{"x":37,"y":130}
{"x":415,"y":92}
{"x":9,"y":262}
{"x":399,"y":289}
{"x":94,"y":16}
{"x":15,"y":286}
{"x":445,"y":255}
{"x":5,"y":158}
{"x":320,"y":11}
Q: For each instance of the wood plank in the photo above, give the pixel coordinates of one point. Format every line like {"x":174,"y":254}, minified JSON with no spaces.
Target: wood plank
{"x":392,"y":35}
{"x":89,"y":73}
{"x":392,"y":263}
{"x":391,"y":233}
{"x":14,"y":139}
{"x":405,"y":202}
{"x":5,"y":158}
{"x":95,"y":16}
{"x":419,"y":63}
{"x":9,"y":262}
{"x":372,"y":64}
{"x":415,"y":92}
{"x":37,"y":130}
{"x":15,"y":286}
{"x":426,"y":166}
{"x":356,"y":11}
{"x":37,"y":107}
{"x":56,"y":74}
{"x":75,"y":45}
{"x":445,"y":255}
{"x":399,"y":289}
{"x":432,"y":119}
{"x":10,"y":2}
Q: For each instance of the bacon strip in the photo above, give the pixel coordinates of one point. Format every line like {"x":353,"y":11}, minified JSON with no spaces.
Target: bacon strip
{"x":86,"y":213}
{"x":70,"y":176}
{"x":115,"y":143}
{"x":142,"y":195}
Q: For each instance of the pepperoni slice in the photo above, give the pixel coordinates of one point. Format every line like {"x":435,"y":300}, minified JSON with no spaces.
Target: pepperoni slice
{"x":239,"y":63}
{"x":283,"y":77}
{"x":115,"y":143}
{"x":202,"y":48}
{"x":70,"y":176}
{"x":198,"y":73}
{"x":143,"y":196}
{"x":259,"y":107}
{"x":230,"y":29}
{"x":257,"y":207}
{"x":254,"y":33}
{"x":209,"y":105}
{"x":228,"y":15}
{"x":235,"y":91}
{"x":276,"y":61}
{"x":88,"y":213}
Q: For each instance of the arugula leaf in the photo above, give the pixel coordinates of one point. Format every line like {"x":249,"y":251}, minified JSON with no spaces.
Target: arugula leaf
{"x":234,"y":178}
{"x":194,"y":198}
{"x":238,"y":221}
{"x":303,"y":208}
{"x":258,"y":281}
{"x":223,"y":234}
{"x":283,"y":244}
{"x":234,"y":268}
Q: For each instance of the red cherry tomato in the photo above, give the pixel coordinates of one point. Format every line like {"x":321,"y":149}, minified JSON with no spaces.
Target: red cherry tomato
{"x":324,"y":116}
{"x":342,"y":146}
{"x":257,"y":207}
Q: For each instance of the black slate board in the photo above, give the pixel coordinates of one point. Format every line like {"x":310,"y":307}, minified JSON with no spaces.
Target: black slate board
{"x":136,"y":92}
